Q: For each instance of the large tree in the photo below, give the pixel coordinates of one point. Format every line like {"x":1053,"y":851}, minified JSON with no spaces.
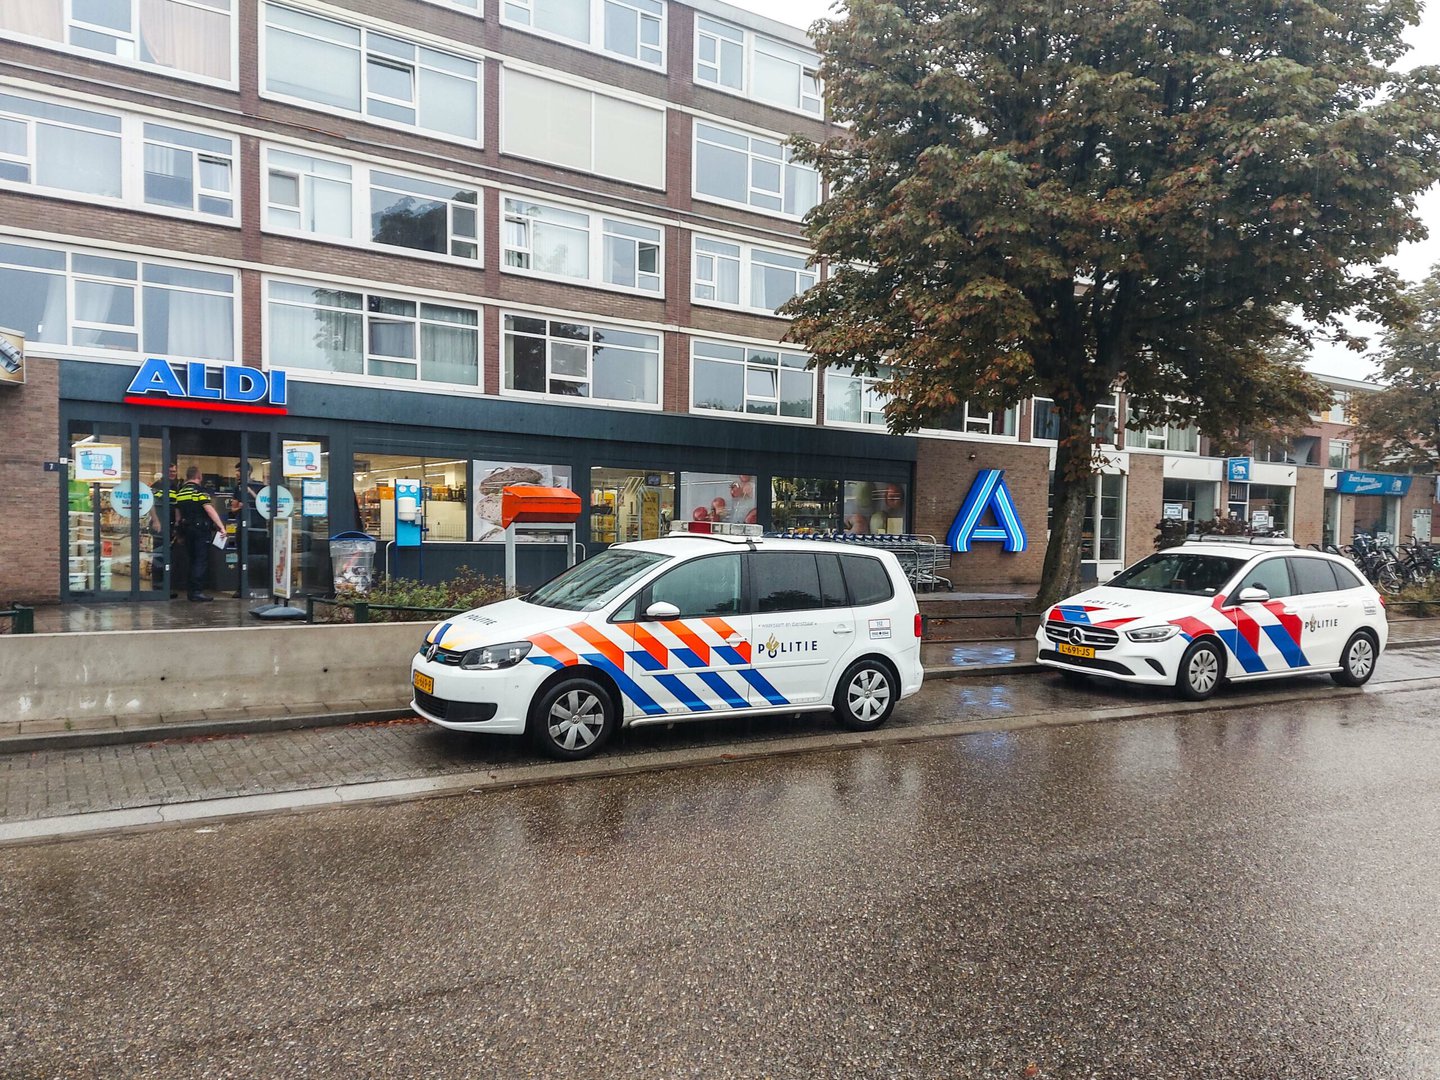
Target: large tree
{"x":1035,"y":197}
{"x":1401,"y":424}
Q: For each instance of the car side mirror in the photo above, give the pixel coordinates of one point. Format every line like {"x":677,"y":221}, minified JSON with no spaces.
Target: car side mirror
{"x":661,"y":611}
{"x":1254,"y":594}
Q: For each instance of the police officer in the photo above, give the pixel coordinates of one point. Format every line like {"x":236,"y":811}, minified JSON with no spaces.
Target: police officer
{"x":193,"y":504}
{"x":162,"y":513}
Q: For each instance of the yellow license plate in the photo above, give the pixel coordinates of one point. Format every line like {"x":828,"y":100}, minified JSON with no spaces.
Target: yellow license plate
{"x":424,"y":682}
{"x":1085,"y":652}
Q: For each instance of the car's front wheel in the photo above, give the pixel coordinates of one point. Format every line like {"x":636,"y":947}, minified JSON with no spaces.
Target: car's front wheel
{"x":866,"y":695}
{"x":573,"y":719}
{"x":1200,"y":670}
{"x":1357,"y":662}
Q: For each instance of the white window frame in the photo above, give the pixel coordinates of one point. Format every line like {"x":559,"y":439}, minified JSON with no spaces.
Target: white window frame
{"x":1157,"y":440}
{"x":1345,"y":446}
{"x":365,"y":178}
{"x":750,"y":43}
{"x":68,"y":23}
{"x":366,"y":291}
{"x":594,"y":92}
{"x":745,"y":259}
{"x":785,"y":161}
{"x":872,"y":401}
{"x":596,"y":43}
{"x":138,"y":284}
{"x":589,"y":378}
{"x":132,"y":139}
{"x":465,"y":7}
{"x":1113,"y":405}
{"x":598,"y":227}
{"x":366,"y":54}
{"x":745,"y":365}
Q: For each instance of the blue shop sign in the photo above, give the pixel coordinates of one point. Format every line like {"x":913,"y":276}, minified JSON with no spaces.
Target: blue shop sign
{"x":989,"y":493}
{"x":1372,"y":483}
{"x":1238,"y":470}
{"x":222,"y":387}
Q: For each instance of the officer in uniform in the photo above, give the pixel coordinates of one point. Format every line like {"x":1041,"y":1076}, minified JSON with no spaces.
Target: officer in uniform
{"x":162,"y":513}
{"x":193,"y":504}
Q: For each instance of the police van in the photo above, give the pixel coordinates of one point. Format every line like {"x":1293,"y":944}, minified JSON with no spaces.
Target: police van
{"x":712,"y":620}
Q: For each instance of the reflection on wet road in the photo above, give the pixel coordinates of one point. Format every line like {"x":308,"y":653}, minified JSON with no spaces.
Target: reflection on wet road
{"x":1245,"y":893}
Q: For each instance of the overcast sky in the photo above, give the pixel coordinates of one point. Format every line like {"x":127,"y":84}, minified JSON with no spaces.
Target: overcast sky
{"x":1413,"y":261}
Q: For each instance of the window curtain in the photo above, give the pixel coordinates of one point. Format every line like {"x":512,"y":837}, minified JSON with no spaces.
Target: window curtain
{"x":186,"y":38}
{"x":199,"y":325}
{"x":316,"y":338}
{"x":34,"y":18}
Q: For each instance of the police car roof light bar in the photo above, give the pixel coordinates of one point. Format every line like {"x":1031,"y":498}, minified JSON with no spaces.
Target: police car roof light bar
{"x":1257,"y":541}
{"x":717,"y":528}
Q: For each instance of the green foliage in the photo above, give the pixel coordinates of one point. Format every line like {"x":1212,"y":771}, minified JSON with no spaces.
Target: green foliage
{"x":464,"y":591}
{"x":1400,"y":425}
{"x":1171,"y":533}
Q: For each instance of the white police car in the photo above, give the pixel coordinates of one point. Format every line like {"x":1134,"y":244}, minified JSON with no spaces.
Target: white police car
{"x":1222,"y":609}
{"x":710,"y":621}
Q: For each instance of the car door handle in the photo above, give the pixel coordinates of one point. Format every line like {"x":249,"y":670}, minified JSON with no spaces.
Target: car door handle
{"x":843,"y":629}
{"x":734,"y":639}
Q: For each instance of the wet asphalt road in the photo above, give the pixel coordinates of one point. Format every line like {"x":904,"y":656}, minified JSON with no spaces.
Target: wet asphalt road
{"x":1246,"y":892}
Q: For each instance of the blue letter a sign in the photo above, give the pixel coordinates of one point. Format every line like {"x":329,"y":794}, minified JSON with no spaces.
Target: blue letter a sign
{"x":989,"y":493}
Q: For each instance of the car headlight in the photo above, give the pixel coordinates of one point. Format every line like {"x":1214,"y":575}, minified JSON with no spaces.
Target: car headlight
{"x":1153,"y":633}
{"x":495,"y":657}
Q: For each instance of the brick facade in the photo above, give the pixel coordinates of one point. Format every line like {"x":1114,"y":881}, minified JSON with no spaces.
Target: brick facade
{"x":29,"y":553}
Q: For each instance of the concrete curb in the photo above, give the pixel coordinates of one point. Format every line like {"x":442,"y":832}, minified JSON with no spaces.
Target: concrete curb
{"x":73,"y":740}
{"x":485,"y":781}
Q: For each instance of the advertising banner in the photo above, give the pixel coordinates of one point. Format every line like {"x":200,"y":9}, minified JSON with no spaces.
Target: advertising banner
{"x":99,"y":463}
{"x":274,"y":501}
{"x":1367,"y":483}
{"x":493,"y":477}
{"x":280,"y":563}
{"x":1238,"y":469}
{"x":301,"y":459}
{"x":718,"y":497}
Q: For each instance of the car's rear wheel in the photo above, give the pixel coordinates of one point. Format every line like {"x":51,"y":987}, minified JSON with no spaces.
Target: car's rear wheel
{"x":1357,"y":662}
{"x":866,"y":695}
{"x":1200,"y":672}
{"x":573,"y":719}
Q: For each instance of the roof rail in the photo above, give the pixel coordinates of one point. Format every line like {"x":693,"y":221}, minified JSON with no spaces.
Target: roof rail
{"x":1256,"y":541}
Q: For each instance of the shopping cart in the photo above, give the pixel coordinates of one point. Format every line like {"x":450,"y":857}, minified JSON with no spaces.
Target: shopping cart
{"x":926,"y":562}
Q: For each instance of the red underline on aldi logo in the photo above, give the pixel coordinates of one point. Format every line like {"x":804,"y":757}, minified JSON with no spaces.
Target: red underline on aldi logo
{"x":208,"y":406}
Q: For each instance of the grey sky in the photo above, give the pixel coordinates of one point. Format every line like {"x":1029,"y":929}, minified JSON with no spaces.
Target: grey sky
{"x":1413,"y":261}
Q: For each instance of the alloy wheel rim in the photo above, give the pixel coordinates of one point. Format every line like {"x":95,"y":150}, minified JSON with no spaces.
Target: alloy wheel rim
{"x":1362,"y":656}
{"x":868,"y":695}
{"x":1204,"y":670}
{"x":576,"y":720}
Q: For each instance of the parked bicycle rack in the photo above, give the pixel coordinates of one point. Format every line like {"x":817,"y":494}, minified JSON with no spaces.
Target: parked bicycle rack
{"x":921,"y":557}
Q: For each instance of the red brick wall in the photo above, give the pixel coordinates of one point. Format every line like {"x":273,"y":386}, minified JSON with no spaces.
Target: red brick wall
{"x":944,"y":473}
{"x":1144,"y":503}
{"x":30,"y":525}
{"x":1308,"y":511}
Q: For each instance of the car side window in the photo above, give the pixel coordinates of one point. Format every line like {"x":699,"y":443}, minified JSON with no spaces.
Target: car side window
{"x":785,"y":581}
{"x":1345,"y":578}
{"x":702,"y":587}
{"x":1270,"y":575}
{"x":867,"y":579}
{"x":832,"y":581}
{"x":1312,"y":575}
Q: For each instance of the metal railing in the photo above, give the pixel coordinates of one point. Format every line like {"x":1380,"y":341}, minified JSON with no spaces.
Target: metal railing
{"x":22,"y":619}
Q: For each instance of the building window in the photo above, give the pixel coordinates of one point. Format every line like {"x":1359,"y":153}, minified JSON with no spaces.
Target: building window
{"x":752,"y":170}
{"x":50,"y":145}
{"x":307,"y":194}
{"x":570,"y":360}
{"x":804,"y":503}
{"x":873,"y":507}
{"x":630,"y":504}
{"x":751,"y":380}
{"x":575,"y":128}
{"x":1339,"y":454}
{"x":563,"y":242}
{"x":970,"y":420}
{"x":442,"y":491}
{"x":630,"y":29}
{"x":1178,"y":439}
{"x":1045,"y":422}
{"x":732,"y":58}
{"x":356,"y":333}
{"x":109,"y":303}
{"x":185,"y":37}
{"x":1188,"y":500}
{"x":470,"y":6}
{"x":746,"y":276}
{"x":854,"y":399}
{"x":351,"y":69}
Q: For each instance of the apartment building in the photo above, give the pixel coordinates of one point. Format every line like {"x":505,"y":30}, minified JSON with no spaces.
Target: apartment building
{"x":315,"y":248}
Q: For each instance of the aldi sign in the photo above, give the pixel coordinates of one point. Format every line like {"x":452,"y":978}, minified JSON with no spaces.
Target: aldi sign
{"x":212,"y":387}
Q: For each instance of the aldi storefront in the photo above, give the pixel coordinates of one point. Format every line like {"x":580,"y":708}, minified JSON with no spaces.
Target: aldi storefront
{"x":289,"y":463}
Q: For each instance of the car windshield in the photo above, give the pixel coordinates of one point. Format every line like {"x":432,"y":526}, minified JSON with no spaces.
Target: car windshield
{"x":1178,"y":572}
{"x":593,"y":583}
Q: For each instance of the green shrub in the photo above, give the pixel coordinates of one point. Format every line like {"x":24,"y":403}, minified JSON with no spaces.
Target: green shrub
{"x":464,"y":591}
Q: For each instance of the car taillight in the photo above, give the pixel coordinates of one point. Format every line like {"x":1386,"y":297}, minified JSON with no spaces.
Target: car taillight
{"x":1382,"y":600}
{"x":919,"y":625}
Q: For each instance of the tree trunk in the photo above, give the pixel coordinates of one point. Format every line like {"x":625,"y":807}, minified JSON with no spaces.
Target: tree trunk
{"x":1074,"y":480}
